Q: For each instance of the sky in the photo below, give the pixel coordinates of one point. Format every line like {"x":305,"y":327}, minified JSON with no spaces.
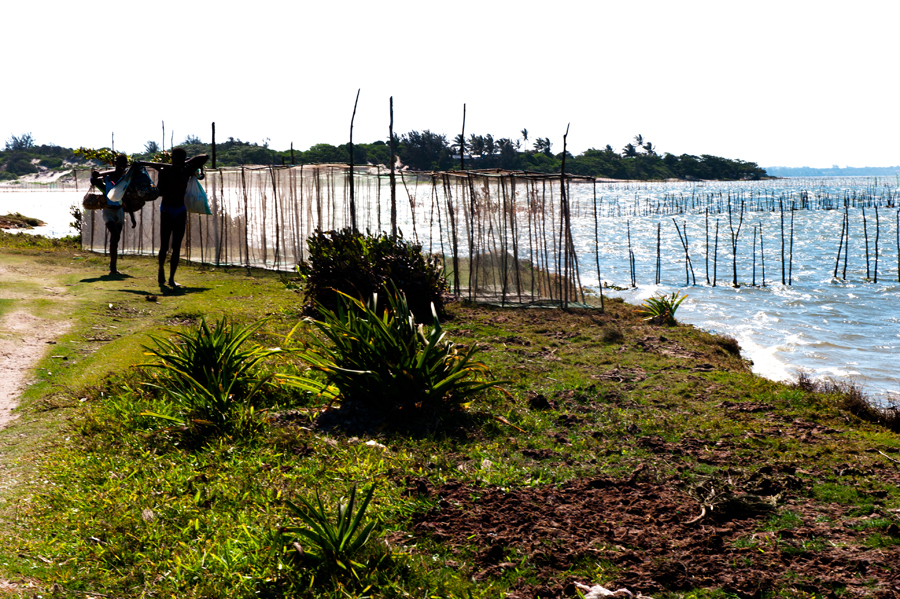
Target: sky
{"x":779,"y":83}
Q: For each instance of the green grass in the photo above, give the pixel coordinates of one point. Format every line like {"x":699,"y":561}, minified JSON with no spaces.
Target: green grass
{"x":99,"y":498}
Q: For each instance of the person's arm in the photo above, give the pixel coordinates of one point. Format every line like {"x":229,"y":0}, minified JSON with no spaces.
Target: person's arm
{"x":133,"y":222}
{"x":97,"y":177}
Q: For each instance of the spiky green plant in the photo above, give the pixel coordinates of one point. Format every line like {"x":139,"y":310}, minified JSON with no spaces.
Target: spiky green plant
{"x":212,"y":373}
{"x":660,"y":309}
{"x":330,"y":543}
{"x":383,"y":358}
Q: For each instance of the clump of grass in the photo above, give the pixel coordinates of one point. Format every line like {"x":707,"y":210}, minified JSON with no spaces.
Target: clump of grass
{"x":729,"y":344}
{"x":610,"y":333}
{"x":850,"y":397}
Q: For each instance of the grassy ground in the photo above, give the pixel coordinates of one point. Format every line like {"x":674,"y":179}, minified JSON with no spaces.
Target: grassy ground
{"x":625,"y":454}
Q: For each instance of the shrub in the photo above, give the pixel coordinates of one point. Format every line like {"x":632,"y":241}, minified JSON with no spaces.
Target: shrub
{"x":359,"y":266}
{"x":660,"y":309}
{"x":382,"y":358}
{"x":21,"y":166}
{"x":213,"y":376}
{"x":51,"y":162}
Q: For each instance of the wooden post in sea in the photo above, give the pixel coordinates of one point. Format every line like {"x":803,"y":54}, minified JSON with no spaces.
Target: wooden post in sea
{"x":596,"y":248}
{"x":658,"y":260}
{"x":716,"y":254}
{"x":753,"y":283}
{"x":837,"y":261}
{"x":214,"y":145}
{"x":783,"y":279}
{"x":762,"y":255}
{"x":707,"y":245}
{"x":866,"y":236}
{"x":791,"y":252}
{"x":875,"y":279}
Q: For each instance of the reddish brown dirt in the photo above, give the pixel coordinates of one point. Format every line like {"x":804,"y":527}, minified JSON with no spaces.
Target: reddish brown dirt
{"x":644,"y":530}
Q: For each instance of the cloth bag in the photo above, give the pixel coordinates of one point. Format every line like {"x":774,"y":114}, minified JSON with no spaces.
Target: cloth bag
{"x":195,"y":199}
{"x":115,"y":194}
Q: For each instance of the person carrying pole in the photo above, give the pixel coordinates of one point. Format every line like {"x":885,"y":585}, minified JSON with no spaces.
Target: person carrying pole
{"x":113,"y":214}
{"x":172,"y":184}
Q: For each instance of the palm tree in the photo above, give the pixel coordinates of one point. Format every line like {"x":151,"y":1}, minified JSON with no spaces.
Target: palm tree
{"x":525,"y":136}
{"x":639,"y":139}
{"x":629,"y":151}
{"x":459,"y":144}
{"x":476,"y":144}
{"x":489,"y":146}
{"x":649,"y":149}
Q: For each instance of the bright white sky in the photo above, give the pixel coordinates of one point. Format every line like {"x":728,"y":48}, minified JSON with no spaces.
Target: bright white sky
{"x":780,"y":83}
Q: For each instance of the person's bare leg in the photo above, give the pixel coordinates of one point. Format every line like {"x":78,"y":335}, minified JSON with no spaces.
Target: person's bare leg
{"x":177,"y":236}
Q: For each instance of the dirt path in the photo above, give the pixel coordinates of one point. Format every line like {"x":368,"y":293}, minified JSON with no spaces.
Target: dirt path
{"x":24,"y":339}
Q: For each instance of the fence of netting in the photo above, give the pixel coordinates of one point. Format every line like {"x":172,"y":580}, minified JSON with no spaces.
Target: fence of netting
{"x":503,"y":236}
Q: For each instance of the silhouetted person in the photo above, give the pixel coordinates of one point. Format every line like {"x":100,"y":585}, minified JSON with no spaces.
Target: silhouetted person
{"x":113,"y":214}
{"x":172,"y":183}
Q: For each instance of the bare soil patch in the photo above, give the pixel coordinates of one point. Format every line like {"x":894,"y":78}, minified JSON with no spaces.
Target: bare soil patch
{"x":23,"y":342}
{"x":647,"y":534}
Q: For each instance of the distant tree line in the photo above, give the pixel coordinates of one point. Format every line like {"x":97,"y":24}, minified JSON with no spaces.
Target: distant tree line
{"x":424,"y":151}
{"x":834,"y":171}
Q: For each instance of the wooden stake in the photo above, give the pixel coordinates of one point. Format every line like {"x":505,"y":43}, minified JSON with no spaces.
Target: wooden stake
{"x":352,"y":191}
{"x":877,"y":231}
{"x":762,"y":255}
{"x":393,"y":180}
{"x":214,"y":144}
{"x":837,"y":261}
{"x":791,"y":253}
{"x":597,"y":248}
{"x":783,"y":271}
{"x":716,"y":255}
{"x":462,"y":142}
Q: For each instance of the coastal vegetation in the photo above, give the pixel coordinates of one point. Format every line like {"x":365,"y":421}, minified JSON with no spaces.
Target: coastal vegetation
{"x":419,"y":150}
{"x":624,"y":452}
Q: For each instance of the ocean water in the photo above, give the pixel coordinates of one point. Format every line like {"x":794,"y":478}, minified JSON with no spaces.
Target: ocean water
{"x":844,"y":327}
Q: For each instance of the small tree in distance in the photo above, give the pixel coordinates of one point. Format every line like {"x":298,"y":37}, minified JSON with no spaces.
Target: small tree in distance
{"x":23,"y":142}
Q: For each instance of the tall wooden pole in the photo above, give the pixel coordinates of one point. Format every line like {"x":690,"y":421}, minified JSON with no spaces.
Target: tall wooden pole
{"x":565,"y":219}
{"x":352,"y":195}
{"x":462,"y":143}
{"x":393,"y":180}
{"x":214,"y":144}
